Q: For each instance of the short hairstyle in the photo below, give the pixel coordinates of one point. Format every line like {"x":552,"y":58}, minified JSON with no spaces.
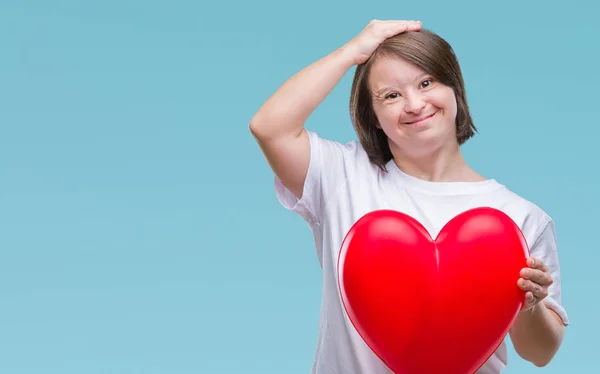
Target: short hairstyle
{"x":429,"y":52}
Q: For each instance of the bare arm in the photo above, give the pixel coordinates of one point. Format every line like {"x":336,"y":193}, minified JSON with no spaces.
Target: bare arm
{"x":537,"y":334}
{"x":538,"y":331}
{"x":278,"y":126}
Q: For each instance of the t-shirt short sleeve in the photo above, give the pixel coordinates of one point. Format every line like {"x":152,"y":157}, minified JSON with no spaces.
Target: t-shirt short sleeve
{"x":545,"y":248}
{"x":326,"y":172}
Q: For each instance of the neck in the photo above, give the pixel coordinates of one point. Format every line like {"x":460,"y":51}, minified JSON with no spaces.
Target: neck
{"x":445,"y":164}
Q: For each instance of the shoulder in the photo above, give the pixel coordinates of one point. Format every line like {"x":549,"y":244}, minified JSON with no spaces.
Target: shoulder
{"x":347,"y":148}
{"x":349,"y":155}
{"x":332,"y":165}
{"x":529,"y":216}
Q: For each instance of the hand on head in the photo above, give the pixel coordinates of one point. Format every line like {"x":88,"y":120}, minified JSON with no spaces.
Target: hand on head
{"x":362,"y":46}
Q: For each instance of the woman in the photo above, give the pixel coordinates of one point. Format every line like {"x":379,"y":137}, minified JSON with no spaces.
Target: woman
{"x":410,"y":113}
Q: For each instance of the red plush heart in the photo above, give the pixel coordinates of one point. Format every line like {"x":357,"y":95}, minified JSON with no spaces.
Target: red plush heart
{"x":428,"y":306}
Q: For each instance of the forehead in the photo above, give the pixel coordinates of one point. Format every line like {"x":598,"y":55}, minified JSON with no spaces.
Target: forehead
{"x":389,"y":70}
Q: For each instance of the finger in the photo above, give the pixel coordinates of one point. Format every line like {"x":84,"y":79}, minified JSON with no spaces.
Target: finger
{"x":529,"y":300}
{"x":401,"y":21}
{"x":537,"y":276}
{"x":536,"y":263}
{"x":538,"y":291}
{"x":412,"y":25}
{"x":399,"y":28}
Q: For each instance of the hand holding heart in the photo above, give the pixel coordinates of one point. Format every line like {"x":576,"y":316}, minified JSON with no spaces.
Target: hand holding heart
{"x":535,"y":280}
{"x":410,"y":296}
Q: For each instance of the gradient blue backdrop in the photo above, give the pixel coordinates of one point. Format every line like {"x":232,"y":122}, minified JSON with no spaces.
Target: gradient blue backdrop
{"x":139,"y":231}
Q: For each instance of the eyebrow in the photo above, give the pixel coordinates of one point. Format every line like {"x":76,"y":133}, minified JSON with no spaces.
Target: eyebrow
{"x":386,"y":88}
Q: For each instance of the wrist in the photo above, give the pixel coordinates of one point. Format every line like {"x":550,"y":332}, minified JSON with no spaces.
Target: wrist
{"x":535,"y":310}
{"x":347,"y":55}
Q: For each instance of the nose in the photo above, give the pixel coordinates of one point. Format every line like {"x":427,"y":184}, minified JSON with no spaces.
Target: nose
{"x":414,"y":103}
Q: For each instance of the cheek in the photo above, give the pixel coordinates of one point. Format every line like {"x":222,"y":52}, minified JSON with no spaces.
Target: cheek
{"x":452,"y":107}
{"x":389,"y":114}
{"x":385,"y":116}
{"x":452,"y":104}
{"x":446,"y":101}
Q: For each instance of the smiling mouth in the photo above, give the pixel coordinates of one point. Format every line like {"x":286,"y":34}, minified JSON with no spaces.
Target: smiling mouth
{"x":422,"y":119}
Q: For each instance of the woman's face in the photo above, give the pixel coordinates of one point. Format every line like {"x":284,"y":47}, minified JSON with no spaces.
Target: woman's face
{"x":417,"y":113}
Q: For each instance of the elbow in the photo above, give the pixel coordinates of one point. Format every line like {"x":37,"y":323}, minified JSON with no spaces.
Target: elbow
{"x":273,"y":127}
{"x":539,"y":358}
{"x":260,"y":128}
{"x":541,"y":363}
{"x":257,"y":132}
{"x":253,"y":127}
{"x":546,"y":356}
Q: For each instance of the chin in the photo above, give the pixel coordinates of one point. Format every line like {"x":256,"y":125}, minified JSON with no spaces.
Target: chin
{"x":423,"y":142}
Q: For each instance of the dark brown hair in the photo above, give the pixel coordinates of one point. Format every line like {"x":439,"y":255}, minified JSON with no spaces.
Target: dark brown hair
{"x":429,"y":52}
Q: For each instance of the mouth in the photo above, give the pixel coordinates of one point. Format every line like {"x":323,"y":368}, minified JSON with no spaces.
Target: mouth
{"x":421,"y":119}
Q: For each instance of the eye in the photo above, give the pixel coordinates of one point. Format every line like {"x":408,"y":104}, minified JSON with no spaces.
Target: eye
{"x":392,"y":96}
{"x":426,"y":83}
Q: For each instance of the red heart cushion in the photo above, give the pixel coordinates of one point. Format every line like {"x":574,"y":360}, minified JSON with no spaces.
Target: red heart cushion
{"x":428,"y":306}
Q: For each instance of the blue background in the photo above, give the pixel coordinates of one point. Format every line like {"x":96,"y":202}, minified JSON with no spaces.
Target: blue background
{"x":139,"y":231}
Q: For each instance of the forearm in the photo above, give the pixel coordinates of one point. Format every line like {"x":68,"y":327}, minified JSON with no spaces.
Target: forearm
{"x":537,"y":334}
{"x":286,"y":111}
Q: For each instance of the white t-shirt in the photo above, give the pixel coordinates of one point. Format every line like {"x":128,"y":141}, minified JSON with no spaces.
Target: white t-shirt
{"x":342,"y":185}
